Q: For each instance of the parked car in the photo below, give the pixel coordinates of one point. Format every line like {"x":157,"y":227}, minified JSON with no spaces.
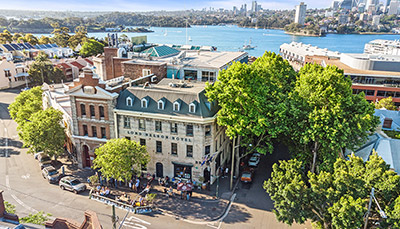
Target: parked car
{"x":254,"y":160}
{"x":44,"y":160}
{"x":247,"y":175}
{"x":51,"y":174}
{"x":72,"y":184}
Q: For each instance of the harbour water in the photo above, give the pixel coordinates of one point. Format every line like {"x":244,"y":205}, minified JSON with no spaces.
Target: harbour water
{"x":232,"y":38}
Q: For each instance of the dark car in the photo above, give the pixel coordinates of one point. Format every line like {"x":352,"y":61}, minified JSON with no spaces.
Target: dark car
{"x":51,"y":174}
{"x":44,"y":160}
{"x":247,"y":175}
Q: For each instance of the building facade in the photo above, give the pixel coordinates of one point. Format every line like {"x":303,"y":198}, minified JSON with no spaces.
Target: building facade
{"x":177,"y":124}
{"x":300,"y":13}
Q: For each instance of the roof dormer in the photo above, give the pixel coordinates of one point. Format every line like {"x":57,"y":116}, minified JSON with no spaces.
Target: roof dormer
{"x":129,"y":101}
{"x":176,"y":105}
{"x":144,"y":102}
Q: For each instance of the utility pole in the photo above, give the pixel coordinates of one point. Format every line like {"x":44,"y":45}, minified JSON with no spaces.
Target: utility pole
{"x":233,"y":161}
{"x":114,"y":218}
{"x":369,"y":207}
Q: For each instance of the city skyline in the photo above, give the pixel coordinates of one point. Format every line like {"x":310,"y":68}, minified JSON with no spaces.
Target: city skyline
{"x":156,"y":5}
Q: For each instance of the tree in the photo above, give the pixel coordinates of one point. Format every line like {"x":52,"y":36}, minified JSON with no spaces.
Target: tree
{"x":80,"y":37}
{"x":338,"y":199}
{"x":43,"y":71}
{"x":91,"y":48}
{"x":10,"y":208}
{"x":44,"y":132}
{"x":119,"y":157}
{"x":326,"y":117}
{"x":6,"y":37}
{"x":16,"y":36}
{"x":61,"y":35}
{"x":386,"y":103}
{"x":44,"y":40}
{"x":38,"y":218}
{"x":25,"y":105}
{"x":253,"y":100}
{"x":30,"y":38}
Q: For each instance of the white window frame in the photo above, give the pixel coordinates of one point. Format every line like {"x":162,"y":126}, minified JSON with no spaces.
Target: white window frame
{"x":176,"y":103}
{"x":146,"y":101}
{"x":160,"y":102}
{"x":129,"y":102}
{"x":192,"y":106}
{"x":146,"y":72}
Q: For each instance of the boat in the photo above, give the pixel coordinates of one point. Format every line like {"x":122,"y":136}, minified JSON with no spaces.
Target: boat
{"x":165,"y":33}
{"x":190,"y":39}
{"x":248,"y":46}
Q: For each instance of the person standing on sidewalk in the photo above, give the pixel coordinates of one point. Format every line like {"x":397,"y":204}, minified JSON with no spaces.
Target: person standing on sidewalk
{"x":226,"y":171}
{"x":137,"y":185}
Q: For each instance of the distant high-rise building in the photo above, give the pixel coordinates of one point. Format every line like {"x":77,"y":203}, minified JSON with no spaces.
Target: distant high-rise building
{"x":335,"y":5}
{"x":300,"y":13}
{"x":386,"y":5}
{"x":376,"y":20}
{"x":254,"y":6}
{"x":394,"y":7}
{"x":346,"y":4}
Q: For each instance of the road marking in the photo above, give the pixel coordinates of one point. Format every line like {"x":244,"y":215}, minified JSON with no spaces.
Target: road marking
{"x":8,"y":183}
{"x":27,"y":176}
{"x":130,"y":222}
{"x":23,"y":204}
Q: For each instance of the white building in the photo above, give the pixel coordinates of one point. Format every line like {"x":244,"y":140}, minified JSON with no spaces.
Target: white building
{"x":394,"y":7}
{"x":12,"y":75}
{"x":376,"y":20}
{"x":300,"y":13}
{"x":177,"y":124}
{"x":384,"y":47}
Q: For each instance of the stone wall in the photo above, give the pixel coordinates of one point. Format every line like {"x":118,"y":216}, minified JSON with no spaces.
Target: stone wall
{"x":135,"y":70}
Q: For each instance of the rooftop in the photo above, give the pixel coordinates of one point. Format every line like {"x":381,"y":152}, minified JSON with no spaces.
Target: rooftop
{"x":395,"y":43}
{"x":161,"y":51}
{"x":308,"y":50}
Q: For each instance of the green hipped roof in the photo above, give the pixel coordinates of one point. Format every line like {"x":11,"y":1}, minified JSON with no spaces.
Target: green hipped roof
{"x":160,"y":51}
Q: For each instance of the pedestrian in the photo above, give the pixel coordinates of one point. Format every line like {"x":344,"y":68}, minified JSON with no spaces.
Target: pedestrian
{"x":130,"y":184}
{"x":187,"y":196}
{"x":137,"y":185}
{"x":226,"y":171}
{"x":101,"y":180}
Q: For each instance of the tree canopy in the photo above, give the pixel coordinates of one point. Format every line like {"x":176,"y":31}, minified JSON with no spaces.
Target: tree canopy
{"x":44,"y":132}
{"x":386,"y":103}
{"x":25,"y":105}
{"x":91,"y":48}
{"x":326,"y":116}
{"x":43,"y":71}
{"x":253,"y":100}
{"x":119,"y":157}
{"x":338,"y":199}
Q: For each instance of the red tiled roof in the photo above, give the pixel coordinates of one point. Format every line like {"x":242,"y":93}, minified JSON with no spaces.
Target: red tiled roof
{"x":64,"y":65}
{"x":89,"y":61}
{"x":80,"y":66}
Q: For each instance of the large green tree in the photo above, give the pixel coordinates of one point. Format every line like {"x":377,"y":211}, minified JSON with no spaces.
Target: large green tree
{"x":43,"y":71}
{"x":326,"y":116}
{"x":25,"y":105}
{"x":61,"y":35}
{"x":80,"y":37}
{"x":118,"y":158}
{"x":253,"y":100}
{"x":338,"y":199}
{"x":6,"y":37}
{"x":91,"y":48}
{"x":44,"y":132}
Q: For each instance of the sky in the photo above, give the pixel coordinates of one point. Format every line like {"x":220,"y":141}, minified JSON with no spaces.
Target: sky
{"x":150,"y":5}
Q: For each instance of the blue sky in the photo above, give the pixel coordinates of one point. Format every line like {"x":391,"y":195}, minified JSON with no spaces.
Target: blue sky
{"x":149,"y":5}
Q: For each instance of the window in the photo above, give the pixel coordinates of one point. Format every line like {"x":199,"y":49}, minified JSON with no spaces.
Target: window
{"x":94,"y":131}
{"x":161,"y":105}
{"x":189,"y":130}
{"x":158,"y":146}
{"x":127,"y":122}
{"x":381,"y":93}
{"x":83,"y":109}
{"x":158,"y":126}
{"x":174,"y":148}
{"x":101,"y":111}
{"x":92,"y":113}
{"x":129,"y":138}
{"x":129,"y":101}
{"x":208,"y":130}
{"x":144,"y":103}
{"x":146,"y":72}
{"x":207,"y":76}
{"x":176,"y":106}
{"x":174,"y":128}
{"x":142,"y":142}
{"x":189,"y":150}
{"x":207,"y":150}
{"x":85,"y":130}
{"x":103,"y":132}
{"x":192,"y":108}
{"x":142,"y":124}
{"x":7,"y":73}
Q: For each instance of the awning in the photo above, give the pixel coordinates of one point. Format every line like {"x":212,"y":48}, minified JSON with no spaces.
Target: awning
{"x":182,"y":164}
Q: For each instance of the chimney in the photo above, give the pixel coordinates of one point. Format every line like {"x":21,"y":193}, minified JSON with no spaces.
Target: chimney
{"x":87,"y":72}
{"x":387,"y":123}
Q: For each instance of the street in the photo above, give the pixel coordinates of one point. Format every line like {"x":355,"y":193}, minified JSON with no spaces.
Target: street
{"x":24,"y":187}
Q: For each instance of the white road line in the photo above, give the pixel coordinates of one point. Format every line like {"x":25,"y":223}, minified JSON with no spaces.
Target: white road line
{"x":8,"y":183}
{"x":23,"y":204}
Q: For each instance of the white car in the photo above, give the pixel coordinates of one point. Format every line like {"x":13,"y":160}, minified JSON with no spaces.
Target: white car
{"x":254,"y":160}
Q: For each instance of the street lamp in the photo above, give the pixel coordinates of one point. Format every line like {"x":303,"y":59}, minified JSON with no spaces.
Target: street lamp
{"x":381,"y":212}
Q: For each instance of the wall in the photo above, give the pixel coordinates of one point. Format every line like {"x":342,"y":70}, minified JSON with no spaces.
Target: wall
{"x":135,"y":70}
{"x":109,"y":54}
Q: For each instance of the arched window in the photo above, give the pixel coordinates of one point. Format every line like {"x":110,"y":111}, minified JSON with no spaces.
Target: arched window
{"x":161,"y":105}
{"x":176,"y":106}
{"x":83,"y":109}
{"x":144,"y":103}
{"x":129,"y":101}
{"x":192,"y":108}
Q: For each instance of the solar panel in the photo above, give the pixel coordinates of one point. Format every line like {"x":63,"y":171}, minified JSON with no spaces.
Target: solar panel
{"x":48,"y":46}
{"x":54,"y":45}
{"x":8,"y":47}
{"x":22,"y":46}
{"x":15,"y":46}
{"x":43,"y":46}
{"x":29,"y":45}
{"x":37,"y":47}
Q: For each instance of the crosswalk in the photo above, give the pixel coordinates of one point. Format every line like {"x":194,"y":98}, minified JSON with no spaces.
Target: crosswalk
{"x":136,"y":223}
